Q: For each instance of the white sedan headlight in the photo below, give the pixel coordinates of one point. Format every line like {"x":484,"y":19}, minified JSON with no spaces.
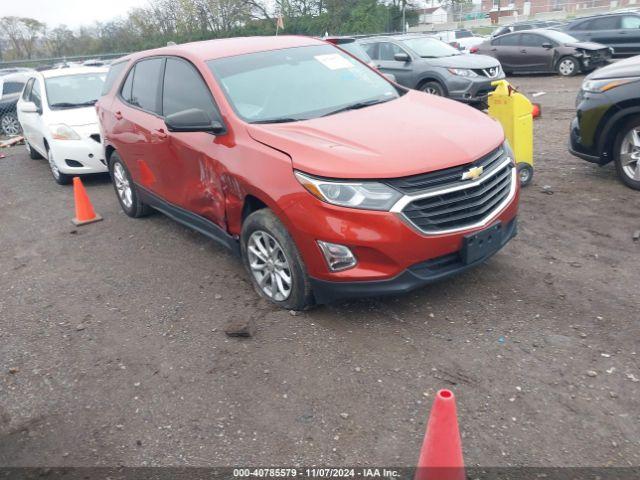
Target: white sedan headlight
{"x":462,"y":72}
{"x":61,"y":131}
{"x":365,"y":195}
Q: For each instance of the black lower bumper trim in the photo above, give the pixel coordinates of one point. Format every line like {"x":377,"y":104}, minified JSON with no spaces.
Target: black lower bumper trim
{"x":414,"y":277}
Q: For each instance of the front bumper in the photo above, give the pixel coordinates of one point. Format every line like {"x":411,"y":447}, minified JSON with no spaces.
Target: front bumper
{"x":414,"y":277}
{"x":586,"y":127}
{"x":471,"y":90}
{"x":78,"y":157}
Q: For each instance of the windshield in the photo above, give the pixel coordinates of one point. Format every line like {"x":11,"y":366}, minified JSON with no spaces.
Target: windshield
{"x":298,"y":83}
{"x":71,"y":91}
{"x":427,"y":47}
{"x":560,"y":37}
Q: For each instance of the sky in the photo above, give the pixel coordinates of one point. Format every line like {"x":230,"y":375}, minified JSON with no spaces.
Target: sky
{"x":72,"y":13}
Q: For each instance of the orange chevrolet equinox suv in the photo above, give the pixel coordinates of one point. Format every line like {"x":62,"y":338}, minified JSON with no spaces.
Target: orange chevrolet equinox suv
{"x":328,"y":180}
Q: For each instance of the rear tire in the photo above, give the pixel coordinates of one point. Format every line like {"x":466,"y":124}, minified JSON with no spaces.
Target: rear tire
{"x":626,"y":151}
{"x":33,"y":154}
{"x":125,"y":188}
{"x":273,"y":262}
{"x":567,"y":66}
{"x":434,"y":88}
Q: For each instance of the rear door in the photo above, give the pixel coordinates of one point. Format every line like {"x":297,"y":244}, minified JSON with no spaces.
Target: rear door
{"x":629,"y":35}
{"x":138,"y":132}
{"x":506,"y":48}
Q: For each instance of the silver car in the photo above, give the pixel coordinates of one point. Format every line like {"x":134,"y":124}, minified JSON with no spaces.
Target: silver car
{"x":425,"y":63}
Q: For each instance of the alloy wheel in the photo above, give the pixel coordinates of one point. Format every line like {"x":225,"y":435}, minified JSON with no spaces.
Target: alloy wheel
{"x":123,"y":187}
{"x":630,"y":154}
{"x":10,"y":125}
{"x":431,"y":90}
{"x":269,"y":266}
{"x":53,"y":166}
{"x":566,"y":67}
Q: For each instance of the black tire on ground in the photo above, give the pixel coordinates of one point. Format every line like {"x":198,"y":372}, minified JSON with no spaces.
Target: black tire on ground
{"x":434,"y":88}
{"x":58,"y":176}
{"x":567,"y":66}
{"x":137,"y":208}
{"x":624,"y":165}
{"x":33,"y":154}
{"x":264,"y":220}
{"x":525,"y":173}
{"x":9,"y":124}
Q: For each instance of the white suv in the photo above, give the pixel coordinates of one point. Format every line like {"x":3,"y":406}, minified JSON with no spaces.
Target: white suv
{"x":59,"y":121}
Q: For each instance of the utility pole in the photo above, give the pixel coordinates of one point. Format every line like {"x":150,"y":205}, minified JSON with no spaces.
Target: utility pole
{"x":404,"y":21}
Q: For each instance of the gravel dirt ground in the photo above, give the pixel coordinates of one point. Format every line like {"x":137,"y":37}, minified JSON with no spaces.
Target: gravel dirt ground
{"x":113,"y":351}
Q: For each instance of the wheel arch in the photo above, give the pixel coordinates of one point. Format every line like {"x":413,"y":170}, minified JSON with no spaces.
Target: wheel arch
{"x":611,"y":124}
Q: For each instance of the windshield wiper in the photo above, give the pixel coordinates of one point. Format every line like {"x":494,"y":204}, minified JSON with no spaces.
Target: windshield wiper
{"x":279,"y":120}
{"x":358,"y":105}
{"x":73,"y":105}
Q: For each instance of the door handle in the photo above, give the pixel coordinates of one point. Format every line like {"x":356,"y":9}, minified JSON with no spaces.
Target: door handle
{"x":494,"y":49}
{"x":523,"y":50}
{"x":118,"y":115}
{"x":160,"y":133}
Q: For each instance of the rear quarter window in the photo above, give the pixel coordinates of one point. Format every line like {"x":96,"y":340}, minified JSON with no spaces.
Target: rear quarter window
{"x":12,"y":87}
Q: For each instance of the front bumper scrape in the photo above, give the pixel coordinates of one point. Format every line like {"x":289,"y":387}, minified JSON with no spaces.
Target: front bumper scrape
{"x":414,"y":277}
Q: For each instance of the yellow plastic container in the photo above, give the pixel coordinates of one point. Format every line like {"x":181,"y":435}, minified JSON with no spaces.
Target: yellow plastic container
{"x":514,"y":112}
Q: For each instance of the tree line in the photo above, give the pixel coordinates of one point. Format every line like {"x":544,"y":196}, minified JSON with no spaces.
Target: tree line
{"x":181,"y":21}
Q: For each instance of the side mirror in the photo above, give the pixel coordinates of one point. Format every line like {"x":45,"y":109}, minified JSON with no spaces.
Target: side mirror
{"x":402,"y":57}
{"x":193,"y":120}
{"x":29,"y":107}
{"x":547,"y":45}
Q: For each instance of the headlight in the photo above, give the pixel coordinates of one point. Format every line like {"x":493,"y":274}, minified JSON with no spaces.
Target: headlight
{"x":61,"y":131}
{"x":365,"y":195}
{"x":462,"y":72}
{"x":599,"y":86}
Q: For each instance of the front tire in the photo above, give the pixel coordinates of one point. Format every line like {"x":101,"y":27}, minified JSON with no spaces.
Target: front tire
{"x":273,"y":262}
{"x":125,"y":188}
{"x":33,"y":153}
{"x":627,"y":153}
{"x":567,"y":66}
{"x":434,"y":88}
{"x":58,"y":176}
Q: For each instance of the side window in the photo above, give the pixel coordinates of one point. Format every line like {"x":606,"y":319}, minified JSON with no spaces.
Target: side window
{"x":27,"y":90}
{"x":35,"y":94}
{"x":604,"y":23}
{"x":508,"y":40}
{"x":126,"y":87}
{"x":184,"y":88}
{"x":11,"y":87}
{"x":145,"y":92}
{"x":532,"y":40}
{"x":371,"y":49}
{"x":114,"y":73}
{"x":387,"y":51}
{"x":630,"y":22}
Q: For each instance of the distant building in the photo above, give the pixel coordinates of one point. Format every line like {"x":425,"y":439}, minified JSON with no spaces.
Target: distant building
{"x":432,"y":15}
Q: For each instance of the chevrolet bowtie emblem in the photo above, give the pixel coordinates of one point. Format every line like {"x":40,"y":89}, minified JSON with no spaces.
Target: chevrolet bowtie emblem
{"x":472,"y":173}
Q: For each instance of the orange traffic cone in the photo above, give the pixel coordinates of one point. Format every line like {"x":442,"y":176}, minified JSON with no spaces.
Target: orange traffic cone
{"x":84,"y":210}
{"x":536,"y":111}
{"x":441,"y":453}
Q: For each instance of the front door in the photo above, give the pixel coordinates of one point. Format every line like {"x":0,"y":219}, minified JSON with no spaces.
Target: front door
{"x":386,"y":62}
{"x":629,"y":35}
{"x":534,"y":56}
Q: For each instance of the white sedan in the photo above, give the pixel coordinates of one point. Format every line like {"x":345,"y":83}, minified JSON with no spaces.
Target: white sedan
{"x":59,"y":121}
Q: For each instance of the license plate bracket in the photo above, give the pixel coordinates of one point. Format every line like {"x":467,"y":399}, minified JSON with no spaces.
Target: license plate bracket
{"x":479,"y":245}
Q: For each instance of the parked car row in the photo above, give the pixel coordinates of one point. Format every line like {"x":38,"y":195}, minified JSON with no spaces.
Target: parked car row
{"x":329,"y":181}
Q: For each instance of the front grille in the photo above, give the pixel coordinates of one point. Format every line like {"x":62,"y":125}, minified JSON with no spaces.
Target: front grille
{"x":456,"y":204}
{"x":491,"y":72}
{"x":426,"y":182}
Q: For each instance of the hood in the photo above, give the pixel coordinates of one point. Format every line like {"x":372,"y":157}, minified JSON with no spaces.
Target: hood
{"x":464,"y":61}
{"x":587,"y":45}
{"x":629,"y":67}
{"x":74,"y":117}
{"x":413,"y":134}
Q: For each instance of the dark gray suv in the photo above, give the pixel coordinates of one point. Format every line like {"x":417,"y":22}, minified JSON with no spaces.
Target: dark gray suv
{"x":425,"y":63}
{"x":620,"y":31}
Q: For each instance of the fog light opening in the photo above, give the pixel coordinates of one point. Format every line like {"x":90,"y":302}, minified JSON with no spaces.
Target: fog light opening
{"x":338,"y":257}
